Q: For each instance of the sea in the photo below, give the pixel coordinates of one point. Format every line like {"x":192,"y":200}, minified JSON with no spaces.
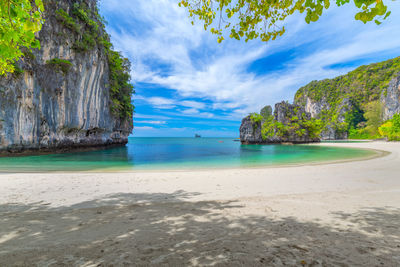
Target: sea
{"x":148,"y":153}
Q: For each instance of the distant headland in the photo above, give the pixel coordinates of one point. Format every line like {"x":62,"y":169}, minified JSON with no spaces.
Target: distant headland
{"x":363,"y":104}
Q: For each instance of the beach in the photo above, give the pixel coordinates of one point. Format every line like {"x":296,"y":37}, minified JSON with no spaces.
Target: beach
{"x":342,"y":213}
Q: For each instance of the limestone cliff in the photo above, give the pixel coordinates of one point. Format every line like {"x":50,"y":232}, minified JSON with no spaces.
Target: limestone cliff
{"x":332,"y":130}
{"x":61,"y":97}
{"x":391,"y":98}
{"x":288,"y":124}
{"x":342,"y":101}
{"x":250,"y":131}
{"x":349,"y":106}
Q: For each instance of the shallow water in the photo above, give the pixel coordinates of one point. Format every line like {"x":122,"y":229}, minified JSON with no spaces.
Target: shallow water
{"x":180,"y":153}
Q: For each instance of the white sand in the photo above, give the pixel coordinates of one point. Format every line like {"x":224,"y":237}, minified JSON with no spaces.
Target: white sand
{"x":331,"y":214}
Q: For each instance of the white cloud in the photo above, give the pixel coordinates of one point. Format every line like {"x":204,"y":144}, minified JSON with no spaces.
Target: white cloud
{"x":168,"y":103}
{"x":190,"y":111}
{"x":197,"y":113}
{"x":160,"y":102}
{"x":192,"y":104}
{"x":144,"y":128}
{"x":148,"y":116}
{"x":195,"y":66}
{"x":152,"y":122}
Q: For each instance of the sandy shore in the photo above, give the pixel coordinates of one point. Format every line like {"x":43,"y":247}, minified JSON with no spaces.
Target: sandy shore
{"x":319,"y":215}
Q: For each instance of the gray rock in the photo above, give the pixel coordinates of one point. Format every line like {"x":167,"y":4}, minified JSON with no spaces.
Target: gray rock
{"x":331,"y":133}
{"x":391,"y":100}
{"x":315,"y":108}
{"x":266,"y":111}
{"x":250,"y":132}
{"x":46,"y":109}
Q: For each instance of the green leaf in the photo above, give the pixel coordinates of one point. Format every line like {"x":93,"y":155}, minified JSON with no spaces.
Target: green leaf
{"x":264,"y":19}
{"x":387,"y":14}
{"x":18,"y":25}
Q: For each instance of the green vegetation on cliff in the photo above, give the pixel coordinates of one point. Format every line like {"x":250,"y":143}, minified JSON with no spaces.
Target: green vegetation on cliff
{"x":296,"y":123}
{"x":120,"y":88}
{"x":60,"y":64}
{"x":256,"y":118}
{"x":351,"y":103}
{"x":361,"y":85}
{"x":295,"y":126}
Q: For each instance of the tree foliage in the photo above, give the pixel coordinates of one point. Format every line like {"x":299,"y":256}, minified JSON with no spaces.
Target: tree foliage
{"x":373,"y":114}
{"x":391,"y":129}
{"x":255,"y":117}
{"x":251,"y":19}
{"x":354,"y":118}
{"x":121,"y":89}
{"x":19,"y":21}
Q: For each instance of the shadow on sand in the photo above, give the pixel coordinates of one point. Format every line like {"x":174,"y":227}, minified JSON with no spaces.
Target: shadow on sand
{"x":169,"y":230}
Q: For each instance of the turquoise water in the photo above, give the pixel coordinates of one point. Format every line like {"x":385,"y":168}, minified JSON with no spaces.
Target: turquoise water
{"x":180,"y":153}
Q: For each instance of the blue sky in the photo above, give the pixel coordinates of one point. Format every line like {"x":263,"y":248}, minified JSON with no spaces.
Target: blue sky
{"x":187,"y":83}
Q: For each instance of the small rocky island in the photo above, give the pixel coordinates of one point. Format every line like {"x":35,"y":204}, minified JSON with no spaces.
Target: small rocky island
{"x":289,"y":123}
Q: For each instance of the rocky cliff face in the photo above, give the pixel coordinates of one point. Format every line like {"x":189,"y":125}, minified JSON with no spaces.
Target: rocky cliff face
{"x":50,"y":106}
{"x":342,"y":101}
{"x":348,"y":106}
{"x":316,"y":108}
{"x":250,"y":131}
{"x":279,"y":127}
{"x":391,"y":99}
